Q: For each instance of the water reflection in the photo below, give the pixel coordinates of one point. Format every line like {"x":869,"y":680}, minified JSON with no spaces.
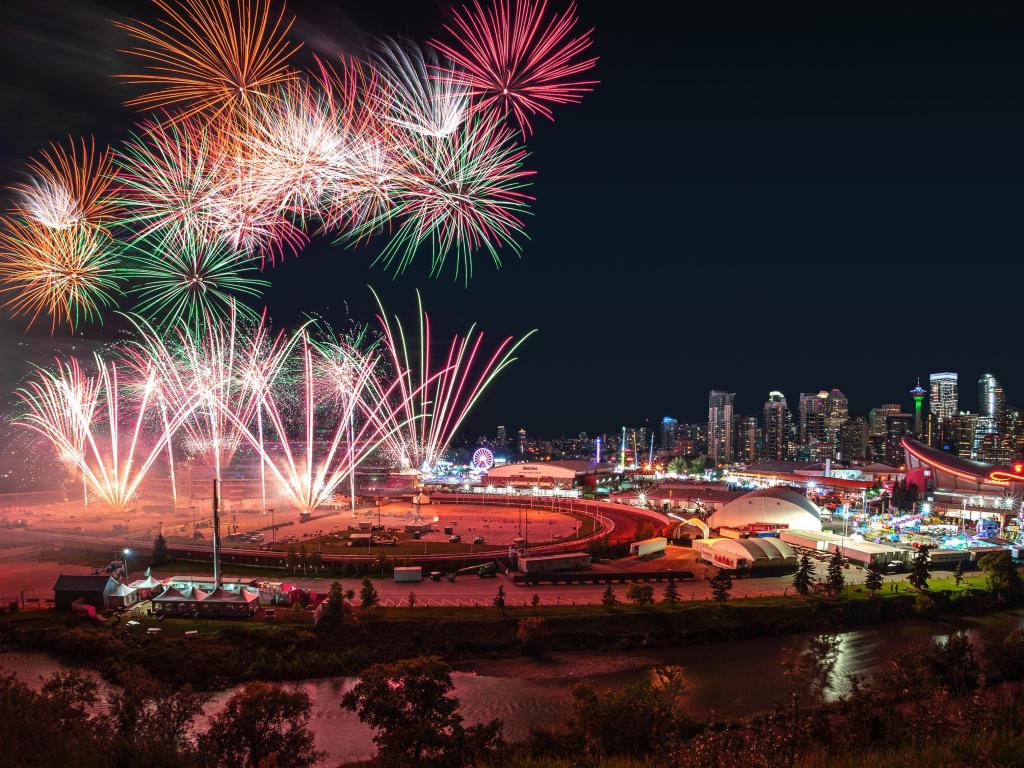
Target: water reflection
{"x":723,"y":680}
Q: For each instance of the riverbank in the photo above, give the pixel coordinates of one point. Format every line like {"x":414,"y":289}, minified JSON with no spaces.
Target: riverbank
{"x":224,"y":653}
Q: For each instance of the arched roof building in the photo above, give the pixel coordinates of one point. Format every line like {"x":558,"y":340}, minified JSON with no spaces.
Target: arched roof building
{"x":755,"y":554}
{"x":779,"y":506}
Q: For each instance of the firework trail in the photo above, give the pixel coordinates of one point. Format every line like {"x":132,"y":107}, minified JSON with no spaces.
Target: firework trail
{"x":516,"y":59}
{"x":436,"y":400}
{"x":218,"y":377}
{"x":104,"y":427}
{"x":317,"y":449}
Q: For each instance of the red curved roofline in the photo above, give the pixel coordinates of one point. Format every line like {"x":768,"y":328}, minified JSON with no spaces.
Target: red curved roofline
{"x":958,"y":467}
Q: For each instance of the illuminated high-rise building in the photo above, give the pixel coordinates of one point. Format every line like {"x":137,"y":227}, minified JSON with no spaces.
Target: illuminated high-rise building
{"x":837,"y":413}
{"x":991,"y":404}
{"x":747,"y":440}
{"x":669,"y":433}
{"x":812,"y":423}
{"x":853,"y":439}
{"x":876,"y":418}
{"x":522,"y":441}
{"x":776,"y":426}
{"x":501,"y":438}
{"x":897,"y":427}
{"x":720,"y":426}
{"x":942,"y":400}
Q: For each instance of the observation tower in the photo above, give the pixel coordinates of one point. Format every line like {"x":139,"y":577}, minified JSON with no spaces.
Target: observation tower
{"x":918,"y":393}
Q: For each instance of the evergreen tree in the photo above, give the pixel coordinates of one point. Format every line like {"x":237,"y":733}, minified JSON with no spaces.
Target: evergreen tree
{"x":303,"y":558}
{"x":671,"y":595}
{"x":804,"y":576}
{"x":160,"y":553}
{"x":535,"y":601}
{"x":641,"y":594}
{"x":608,"y":599}
{"x":412,"y":599}
{"x":958,"y":572}
{"x":873,"y":579}
{"x":334,"y":607}
{"x":1002,"y":575}
{"x":368,"y":595}
{"x":835,"y":578}
{"x":499,"y":599}
{"x":920,"y":568}
{"x":721,"y":586}
{"x":291,"y":560}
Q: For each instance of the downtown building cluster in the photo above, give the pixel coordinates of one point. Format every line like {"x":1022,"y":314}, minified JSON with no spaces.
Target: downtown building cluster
{"x":821,"y":426}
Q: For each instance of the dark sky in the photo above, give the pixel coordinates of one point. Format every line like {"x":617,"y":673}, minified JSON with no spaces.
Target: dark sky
{"x":752,"y":199}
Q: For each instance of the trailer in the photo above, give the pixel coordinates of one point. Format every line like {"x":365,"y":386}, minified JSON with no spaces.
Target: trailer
{"x":816,"y":540}
{"x":408,"y":574}
{"x":548,"y":563}
{"x":648,"y":547}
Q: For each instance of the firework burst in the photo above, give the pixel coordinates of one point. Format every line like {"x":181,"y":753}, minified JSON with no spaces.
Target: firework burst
{"x":210,"y":56}
{"x":413,"y":96}
{"x":460,"y":194}
{"x":516,"y":59}
{"x":66,"y":274}
{"x":68,"y":188}
{"x":192,"y":281}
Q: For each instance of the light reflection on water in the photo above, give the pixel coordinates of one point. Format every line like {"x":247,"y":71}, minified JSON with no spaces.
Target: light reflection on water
{"x":723,"y":680}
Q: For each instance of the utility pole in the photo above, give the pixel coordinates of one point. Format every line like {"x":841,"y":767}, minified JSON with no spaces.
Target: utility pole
{"x":216,"y":533}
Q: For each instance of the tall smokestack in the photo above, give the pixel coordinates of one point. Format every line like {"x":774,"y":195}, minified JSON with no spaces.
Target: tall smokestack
{"x":216,"y":534}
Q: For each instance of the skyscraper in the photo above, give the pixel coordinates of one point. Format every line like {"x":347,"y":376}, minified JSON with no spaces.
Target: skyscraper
{"x":812,"y":423}
{"x":853,"y":439}
{"x":991,"y":404}
{"x":897,"y":427}
{"x":522,"y":441}
{"x":669,"y":432}
{"x":837,"y":412}
{"x":942,"y":400}
{"x":501,"y":438}
{"x":720,"y":426}
{"x":748,"y":439}
{"x":776,"y":424}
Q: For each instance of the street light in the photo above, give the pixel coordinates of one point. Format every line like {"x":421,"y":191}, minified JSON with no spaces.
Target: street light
{"x":125,"y":554}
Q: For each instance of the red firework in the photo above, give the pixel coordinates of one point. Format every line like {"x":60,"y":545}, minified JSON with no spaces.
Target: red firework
{"x":517,"y":58}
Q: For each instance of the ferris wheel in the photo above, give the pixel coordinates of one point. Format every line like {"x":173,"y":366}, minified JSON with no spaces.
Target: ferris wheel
{"x":483,"y":459}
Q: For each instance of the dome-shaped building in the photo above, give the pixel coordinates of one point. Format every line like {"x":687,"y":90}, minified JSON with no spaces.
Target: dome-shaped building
{"x":779,"y":506}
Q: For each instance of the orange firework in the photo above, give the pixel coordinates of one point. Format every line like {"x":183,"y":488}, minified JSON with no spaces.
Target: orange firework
{"x":64,"y":273}
{"x":68,"y":188}
{"x":210,"y":54}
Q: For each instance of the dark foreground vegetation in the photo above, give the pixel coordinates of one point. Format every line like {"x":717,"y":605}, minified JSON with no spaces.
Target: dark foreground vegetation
{"x":946,"y":703}
{"x":350,"y":639}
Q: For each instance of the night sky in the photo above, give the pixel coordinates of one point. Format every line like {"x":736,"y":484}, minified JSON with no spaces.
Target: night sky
{"x":751,"y":200}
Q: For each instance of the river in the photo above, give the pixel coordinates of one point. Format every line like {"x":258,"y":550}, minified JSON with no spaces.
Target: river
{"x":724,"y":680}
